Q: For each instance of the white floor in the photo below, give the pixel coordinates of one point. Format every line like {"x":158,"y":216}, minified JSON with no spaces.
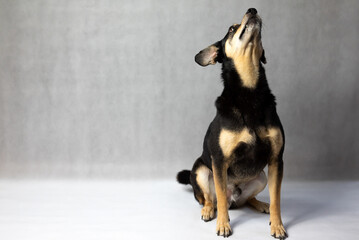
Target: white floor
{"x":46,"y":210}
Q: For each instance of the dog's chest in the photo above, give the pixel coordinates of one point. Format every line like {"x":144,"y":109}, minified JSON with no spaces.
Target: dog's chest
{"x":247,"y":151}
{"x":229,"y":140}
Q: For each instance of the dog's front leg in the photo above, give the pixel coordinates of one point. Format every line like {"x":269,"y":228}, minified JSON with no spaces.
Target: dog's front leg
{"x":275,"y":175}
{"x":220,"y":182}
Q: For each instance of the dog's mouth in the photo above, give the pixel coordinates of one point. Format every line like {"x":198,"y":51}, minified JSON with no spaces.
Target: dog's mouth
{"x":253,"y":23}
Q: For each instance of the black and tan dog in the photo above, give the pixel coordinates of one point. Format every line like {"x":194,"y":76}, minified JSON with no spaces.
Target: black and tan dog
{"x":245,"y":135}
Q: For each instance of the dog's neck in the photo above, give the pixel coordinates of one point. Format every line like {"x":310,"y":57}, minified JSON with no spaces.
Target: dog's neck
{"x":250,"y":102}
{"x":246,"y":62}
{"x":243,"y":74}
{"x":247,"y":69}
{"x":233,"y":82}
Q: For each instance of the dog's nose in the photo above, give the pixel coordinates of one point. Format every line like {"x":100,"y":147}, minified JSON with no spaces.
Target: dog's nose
{"x":252,"y":11}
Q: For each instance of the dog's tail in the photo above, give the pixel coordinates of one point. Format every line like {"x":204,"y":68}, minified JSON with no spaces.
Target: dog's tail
{"x":183,"y":177}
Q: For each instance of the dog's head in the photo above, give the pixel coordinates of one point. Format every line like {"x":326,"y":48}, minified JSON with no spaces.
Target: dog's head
{"x":241,"y":43}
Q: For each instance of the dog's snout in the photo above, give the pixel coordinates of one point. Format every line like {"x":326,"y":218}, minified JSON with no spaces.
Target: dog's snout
{"x":252,"y":11}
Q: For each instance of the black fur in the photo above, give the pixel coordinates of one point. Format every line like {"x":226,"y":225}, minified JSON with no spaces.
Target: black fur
{"x":184,"y":177}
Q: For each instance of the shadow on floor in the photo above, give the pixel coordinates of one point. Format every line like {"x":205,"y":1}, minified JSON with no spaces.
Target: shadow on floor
{"x":299,"y":205}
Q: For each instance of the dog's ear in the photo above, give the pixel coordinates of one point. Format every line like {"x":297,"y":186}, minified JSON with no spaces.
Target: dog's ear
{"x":210,"y":55}
{"x":263,"y":58}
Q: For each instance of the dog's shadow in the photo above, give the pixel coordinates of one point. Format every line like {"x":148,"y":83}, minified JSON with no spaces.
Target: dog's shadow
{"x":295,"y":210}
{"x":299,"y":210}
{"x":246,"y":212}
{"x":188,"y":189}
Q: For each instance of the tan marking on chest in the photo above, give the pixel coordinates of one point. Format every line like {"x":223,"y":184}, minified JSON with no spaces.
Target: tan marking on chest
{"x":229,"y":140}
{"x":275,"y":137}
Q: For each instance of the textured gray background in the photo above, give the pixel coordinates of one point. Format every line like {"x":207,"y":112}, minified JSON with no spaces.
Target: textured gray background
{"x":110,"y":88}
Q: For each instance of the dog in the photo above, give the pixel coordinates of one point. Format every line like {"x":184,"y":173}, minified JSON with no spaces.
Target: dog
{"x":245,"y":135}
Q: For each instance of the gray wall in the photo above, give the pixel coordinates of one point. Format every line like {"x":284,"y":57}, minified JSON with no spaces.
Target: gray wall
{"x":110,"y":88}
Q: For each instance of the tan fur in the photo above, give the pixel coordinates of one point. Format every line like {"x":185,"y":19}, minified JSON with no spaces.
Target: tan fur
{"x":274,"y":184}
{"x":274,"y":179}
{"x":245,"y":54}
{"x":204,"y":181}
{"x":275,"y":137}
{"x":248,"y":71}
{"x":229,"y":140}
{"x":207,"y":212}
{"x":220,"y":182}
{"x":258,"y":205}
{"x":246,"y":62}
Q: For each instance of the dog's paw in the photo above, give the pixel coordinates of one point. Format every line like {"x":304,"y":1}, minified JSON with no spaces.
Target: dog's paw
{"x":278,"y":231}
{"x":207,"y":213}
{"x":223,"y":228}
{"x":261,"y":207}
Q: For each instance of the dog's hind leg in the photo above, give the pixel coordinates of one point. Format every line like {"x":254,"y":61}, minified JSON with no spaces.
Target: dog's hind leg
{"x":204,"y":180}
{"x":259,"y":205}
{"x":256,"y":186}
{"x":250,"y":190}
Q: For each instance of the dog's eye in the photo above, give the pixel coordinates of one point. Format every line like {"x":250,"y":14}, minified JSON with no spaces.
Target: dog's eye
{"x":231,"y":29}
